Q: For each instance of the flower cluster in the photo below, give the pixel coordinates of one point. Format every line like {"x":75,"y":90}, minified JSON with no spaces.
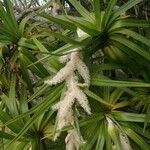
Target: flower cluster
{"x":65,"y":115}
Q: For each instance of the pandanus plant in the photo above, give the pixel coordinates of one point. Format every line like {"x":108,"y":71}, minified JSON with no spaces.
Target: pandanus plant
{"x":110,"y":40}
{"x":85,"y":80}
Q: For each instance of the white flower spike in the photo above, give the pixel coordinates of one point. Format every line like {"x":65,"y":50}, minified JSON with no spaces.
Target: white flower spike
{"x":65,"y":115}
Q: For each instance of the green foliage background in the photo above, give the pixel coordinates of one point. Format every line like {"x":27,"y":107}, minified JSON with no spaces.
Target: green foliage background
{"x":117,"y":53}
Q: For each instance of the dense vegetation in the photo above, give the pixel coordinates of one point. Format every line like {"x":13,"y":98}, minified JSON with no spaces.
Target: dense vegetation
{"x":75,"y":74}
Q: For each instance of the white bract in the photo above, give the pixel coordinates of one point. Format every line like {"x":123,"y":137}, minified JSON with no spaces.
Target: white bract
{"x":124,"y":141}
{"x":112,"y":128}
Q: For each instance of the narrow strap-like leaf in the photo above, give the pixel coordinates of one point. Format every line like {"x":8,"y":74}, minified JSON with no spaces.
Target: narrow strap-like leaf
{"x":96,"y":97}
{"x":39,"y":69}
{"x":136,"y":48}
{"x":64,"y":23}
{"x":134,"y":35}
{"x":11,"y":99}
{"x":97,"y":11}
{"x":4,"y":117}
{"x":115,"y":83}
{"x":81,"y":10}
{"x":125,"y":7}
{"x":86,"y":26}
{"x":128,"y":23}
{"x":63,"y":37}
{"x":22,"y":25}
{"x":101,"y":138}
{"x":108,"y":12}
{"x":41,"y":47}
{"x":129,"y":117}
{"x":137,"y":139}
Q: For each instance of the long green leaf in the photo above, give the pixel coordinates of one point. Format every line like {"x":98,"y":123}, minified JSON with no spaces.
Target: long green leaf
{"x":125,"y":7}
{"x":82,"y":10}
{"x":41,"y":47}
{"x":97,"y":11}
{"x":129,"y":117}
{"x":106,"y":66}
{"x":147,"y":119}
{"x":22,"y":25}
{"x":137,"y":128}
{"x":4,"y":117}
{"x":27,"y":43}
{"x":135,"y":47}
{"x":67,"y":48}
{"x":127,"y":22}
{"x":9,"y":7}
{"x":108,"y":12}
{"x":101,"y":138}
{"x":86,"y":26}
{"x":38,"y":69}
{"x":64,"y":23}
{"x":135,"y":35}
{"x":11,"y":99}
{"x":115,"y":95}
{"x":94,"y":96}
{"x":24,"y":103}
{"x":115,"y":83}
{"x":63,"y":37}
{"x":137,"y":139}
{"x":25,"y":73}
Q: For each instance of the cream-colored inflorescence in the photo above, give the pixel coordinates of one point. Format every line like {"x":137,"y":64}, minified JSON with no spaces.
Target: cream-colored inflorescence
{"x":65,"y":115}
{"x":73,"y":140}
